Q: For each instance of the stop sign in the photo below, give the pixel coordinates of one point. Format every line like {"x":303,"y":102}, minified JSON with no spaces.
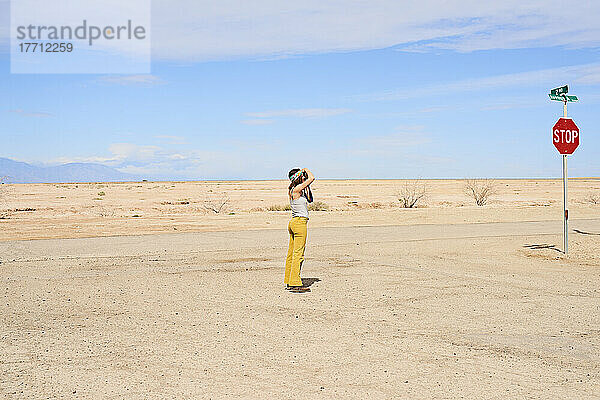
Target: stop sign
{"x":565,"y":136}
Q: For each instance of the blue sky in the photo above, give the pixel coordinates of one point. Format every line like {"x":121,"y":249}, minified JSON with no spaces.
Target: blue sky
{"x":350,"y":89}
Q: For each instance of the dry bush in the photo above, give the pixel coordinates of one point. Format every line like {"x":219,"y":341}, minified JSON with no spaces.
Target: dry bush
{"x":318,"y":206}
{"x":277,"y":207}
{"x":592,"y":198}
{"x":412,"y":193}
{"x":480,"y":190}
{"x":106,"y":212}
{"x":217,"y":204}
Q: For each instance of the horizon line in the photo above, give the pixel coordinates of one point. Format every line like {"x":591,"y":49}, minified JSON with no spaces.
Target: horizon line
{"x":284,"y":180}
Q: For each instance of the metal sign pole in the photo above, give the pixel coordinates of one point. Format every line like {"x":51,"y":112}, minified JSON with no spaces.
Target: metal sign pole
{"x":565,"y":207}
{"x":565,"y":137}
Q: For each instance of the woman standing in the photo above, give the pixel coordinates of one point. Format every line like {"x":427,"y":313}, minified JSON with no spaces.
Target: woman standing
{"x":300,"y":195}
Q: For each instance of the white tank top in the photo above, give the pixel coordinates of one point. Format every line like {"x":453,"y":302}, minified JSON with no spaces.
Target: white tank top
{"x":299,"y":207}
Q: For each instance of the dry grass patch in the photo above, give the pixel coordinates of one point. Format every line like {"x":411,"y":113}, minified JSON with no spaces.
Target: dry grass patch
{"x":278,"y":207}
{"x":183,"y":202}
{"x":318,"y":206}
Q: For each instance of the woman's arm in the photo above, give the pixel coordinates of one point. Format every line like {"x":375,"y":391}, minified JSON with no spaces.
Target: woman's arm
{"x":307,"y":182}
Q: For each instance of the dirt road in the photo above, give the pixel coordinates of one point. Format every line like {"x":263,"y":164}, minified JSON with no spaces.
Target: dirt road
{"x":490,"y":310}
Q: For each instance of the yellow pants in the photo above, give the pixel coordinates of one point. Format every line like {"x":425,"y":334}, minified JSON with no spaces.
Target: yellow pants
{"x":295,"y":255}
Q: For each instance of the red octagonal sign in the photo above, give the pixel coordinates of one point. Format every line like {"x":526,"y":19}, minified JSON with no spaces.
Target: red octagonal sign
{"x":565,"y":136}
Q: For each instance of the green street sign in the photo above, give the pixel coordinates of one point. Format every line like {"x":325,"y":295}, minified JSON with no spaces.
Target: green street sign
{"x":556,"y":97}
{"x":563,"y":97}
{"x":560,"y":90}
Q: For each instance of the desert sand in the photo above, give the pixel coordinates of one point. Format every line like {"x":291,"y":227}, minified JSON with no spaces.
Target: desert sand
{"x":140,"y":290}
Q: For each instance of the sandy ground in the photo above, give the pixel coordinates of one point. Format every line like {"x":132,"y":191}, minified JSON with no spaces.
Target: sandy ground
{"x":449,"y":300}
{"x":88,"y":210}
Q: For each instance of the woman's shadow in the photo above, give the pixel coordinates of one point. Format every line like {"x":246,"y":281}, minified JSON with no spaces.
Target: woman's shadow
{"x":307,"y":282}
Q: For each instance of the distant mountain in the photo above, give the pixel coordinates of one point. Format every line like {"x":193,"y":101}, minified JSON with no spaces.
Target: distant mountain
{"x":20,"y":172}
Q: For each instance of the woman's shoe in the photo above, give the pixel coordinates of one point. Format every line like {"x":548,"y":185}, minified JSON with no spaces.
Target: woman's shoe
{"x":299,"y":289}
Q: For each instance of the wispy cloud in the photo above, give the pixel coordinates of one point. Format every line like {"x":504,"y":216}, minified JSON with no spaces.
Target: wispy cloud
{"x":120,"y":153}
{"x":589,"y":75}
{"x":301,"y":113}
{"x":315,"y":26}
{"x":528,"y":27}
{"x":33,"y":114}
{"x":129,"y":151}
{"x":268,"y":29}
{"x":261,"y":159}
{"x":132,"y":80}
{"x":257,"y":121}
{"x":159,"y":162}
{"x":584,"y":74}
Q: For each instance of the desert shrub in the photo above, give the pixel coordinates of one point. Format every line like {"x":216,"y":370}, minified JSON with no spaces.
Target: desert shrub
{"x":592,"y":198}
{"x":277,"y":207}
{"x":411,"y":193}
{"x":106,"y":212}
{"x":480,"y":190}
{"x":318,"y":206}
{"x":216,"y":204}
